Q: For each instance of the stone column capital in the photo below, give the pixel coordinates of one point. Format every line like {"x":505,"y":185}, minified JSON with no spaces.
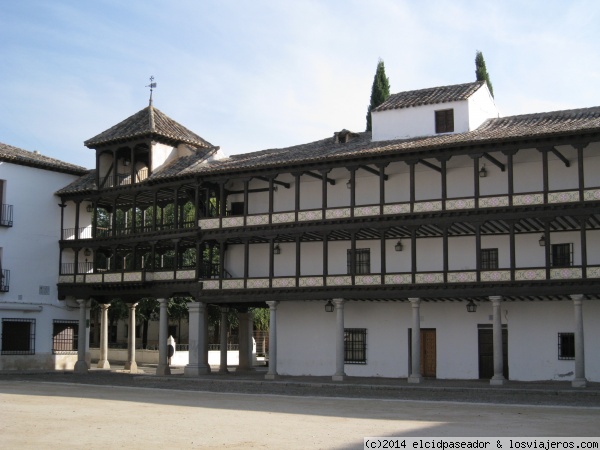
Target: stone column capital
{"x":496,"y":299}
{"x":339,"y":303}
{"x":272,"y":304}
{"x":104,"y":306}
{"x":577,"y":298}
{"x":131,"y":306}
{"x":415,"y":301}
{"x":162,"y":301}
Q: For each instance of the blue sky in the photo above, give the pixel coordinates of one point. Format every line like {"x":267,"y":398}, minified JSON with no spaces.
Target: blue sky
{"x":251,"y":75}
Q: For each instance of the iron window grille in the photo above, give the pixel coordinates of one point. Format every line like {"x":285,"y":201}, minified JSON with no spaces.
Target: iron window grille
{"x":489,"y":258}
{"x":444,"y":121}
{"x":566,"y":345}
{"x":362,"y":261}
{"x":355,"y":346}
{"x":18,"y":337}
{"x":562,"y":255}
{"x":4,"y":280}
{"x":65,"y":335}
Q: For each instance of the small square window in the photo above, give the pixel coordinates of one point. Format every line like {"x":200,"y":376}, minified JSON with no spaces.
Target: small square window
{"x":489,"y":258}
{"x":355,"y":346}
{"x":444,"y":121}
{"x":562,"y":255}
{"x":362,"y":261}
{"x":566,"y":346}
{"x":18,"y":336}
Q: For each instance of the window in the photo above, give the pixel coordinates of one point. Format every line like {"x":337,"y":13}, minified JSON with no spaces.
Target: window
{"x":362,"y":261}
{"x":6,"y":212}
{"x":64,"y":336}
{"x":18,"y":337}
{"x":355,"y":345}
{"x":444,"y":121}
{"x":4,"y":276}
{"x":489,"y":258}
{"x":562,"y":255}
{"x":237,"y":208}
{"x":566,"y":346}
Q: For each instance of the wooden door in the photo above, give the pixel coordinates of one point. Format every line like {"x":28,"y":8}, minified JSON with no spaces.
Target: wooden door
{"x":428,"y":352}
{"x":486,"y":352}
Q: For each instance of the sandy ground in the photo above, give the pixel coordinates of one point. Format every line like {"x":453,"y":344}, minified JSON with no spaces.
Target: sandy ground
{"x":61,"y":415}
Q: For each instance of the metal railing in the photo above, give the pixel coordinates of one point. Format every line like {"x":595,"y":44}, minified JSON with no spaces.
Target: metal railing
{"x":4,"y":280}
{"x":6,"y":215}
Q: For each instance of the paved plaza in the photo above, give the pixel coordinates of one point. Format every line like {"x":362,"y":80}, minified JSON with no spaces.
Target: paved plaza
{"x":118,"y":410}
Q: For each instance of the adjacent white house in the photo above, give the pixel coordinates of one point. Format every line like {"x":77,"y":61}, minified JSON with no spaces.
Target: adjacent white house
{"x":449,"y":242}
{"x":37,"y":330}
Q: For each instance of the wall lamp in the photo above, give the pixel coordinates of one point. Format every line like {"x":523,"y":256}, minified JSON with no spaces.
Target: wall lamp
{"x":349,"y":184}
{"x":276,"y":249}
{"x":398,"y":247}
{"x":126,"y":162}
{"x":90,"y":207}
{"x":471,"y":306}
{"x":87,"y":252}
{"x":329,"y":306}
{"x":482,"y":172}
{"x":542,"y":241}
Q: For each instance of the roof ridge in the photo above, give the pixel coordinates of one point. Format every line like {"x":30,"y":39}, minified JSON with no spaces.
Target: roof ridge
{"x":151,"y":118}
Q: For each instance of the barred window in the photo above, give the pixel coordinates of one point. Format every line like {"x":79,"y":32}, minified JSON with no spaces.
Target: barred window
{"x":64,"y":336}
{"x":355,"y":345}
{"x":566,"y":346}
{"x":362,"y":261}
{"x":444,"y":121}
{"x":562,"y":255}
{"x":489,"y":258}
{"x":18,"y":337}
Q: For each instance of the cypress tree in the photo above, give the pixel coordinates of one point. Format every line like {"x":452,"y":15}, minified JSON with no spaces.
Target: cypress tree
{"x":379,"y":92}
{"x":481,"y":72}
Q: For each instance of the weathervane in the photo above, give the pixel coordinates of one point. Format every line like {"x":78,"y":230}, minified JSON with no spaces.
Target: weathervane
{"x":152,"y":85}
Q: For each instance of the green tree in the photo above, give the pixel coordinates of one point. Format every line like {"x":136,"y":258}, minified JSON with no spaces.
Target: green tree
{"x":481,"y":71}
{"x":379,"y":92}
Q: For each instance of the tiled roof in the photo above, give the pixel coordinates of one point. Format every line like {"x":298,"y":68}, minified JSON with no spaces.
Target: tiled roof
{"x":514,"y":128}
{"x":148,"y":122}
{"x":429,"y":96}
{"x":22,"y":157}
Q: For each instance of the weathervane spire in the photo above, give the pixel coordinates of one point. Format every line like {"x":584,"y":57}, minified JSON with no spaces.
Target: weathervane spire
{"x":152,"y":85}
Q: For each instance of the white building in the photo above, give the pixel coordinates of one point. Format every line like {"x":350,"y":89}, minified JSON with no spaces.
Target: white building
{"x":37,"y":330}
{"x":449,"y":243}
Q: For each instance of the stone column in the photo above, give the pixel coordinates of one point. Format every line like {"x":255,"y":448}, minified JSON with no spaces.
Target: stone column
{"x":415,"y":375}
{"x":81,"y":365}
{"x":197,"y":341}
{"x":498,"y":378}
{"x":130,"y":364}
{"x":339,"y":340}
{"x":103,"y":361}
{"x":163,"y":331}
{"x":245,"y":332}
{"x":580,"y":380}
{"x":272,"y":373}
{"x":223,"y":340}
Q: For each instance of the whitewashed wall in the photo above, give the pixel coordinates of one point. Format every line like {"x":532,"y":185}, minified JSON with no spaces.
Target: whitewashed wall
{"x":306,"y":338}
{"x":30,"y":251}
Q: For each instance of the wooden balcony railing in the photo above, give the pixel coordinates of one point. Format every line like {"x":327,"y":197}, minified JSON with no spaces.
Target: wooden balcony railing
{"x":123,"y":179}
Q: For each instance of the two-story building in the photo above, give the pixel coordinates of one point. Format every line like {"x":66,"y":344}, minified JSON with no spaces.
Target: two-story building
{"x":448,"y":243}
{"x":36,"y":329}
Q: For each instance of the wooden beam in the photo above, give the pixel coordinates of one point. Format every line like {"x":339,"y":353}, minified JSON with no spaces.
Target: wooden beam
{"x":560,"y":156}
{"x":494,"y":161}
{"x":319,"y":177}
{"x":373,"y":171}
{"x":431,"y":166}
{"x":280,"y":183}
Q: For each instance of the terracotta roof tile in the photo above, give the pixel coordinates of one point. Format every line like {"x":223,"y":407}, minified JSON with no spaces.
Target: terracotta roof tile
{"x":148,"y":122}
{"x":22,"y":157}
{"x":429,"y":96}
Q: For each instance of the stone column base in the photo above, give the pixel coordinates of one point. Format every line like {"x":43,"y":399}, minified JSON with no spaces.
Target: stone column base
{"x":579,"y":383}
{"x":131,"y":366}
{"x":338,"y":377}
{"x":103,"y":364}
{"x":163,"y":369}
{"x":194,"y":371}
{"x":415,"y":379}
{"x":271,"y":376}
{"x":80,"y":367}
{"x":500,"y":381}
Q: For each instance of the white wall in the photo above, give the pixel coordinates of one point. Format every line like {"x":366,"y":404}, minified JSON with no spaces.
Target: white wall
{"x":306,"y":338}
{"x":30,"y":251}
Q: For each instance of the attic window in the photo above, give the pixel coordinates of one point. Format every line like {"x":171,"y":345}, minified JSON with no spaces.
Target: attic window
{"x":341,"y":137}
{"x":444,"y":121}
